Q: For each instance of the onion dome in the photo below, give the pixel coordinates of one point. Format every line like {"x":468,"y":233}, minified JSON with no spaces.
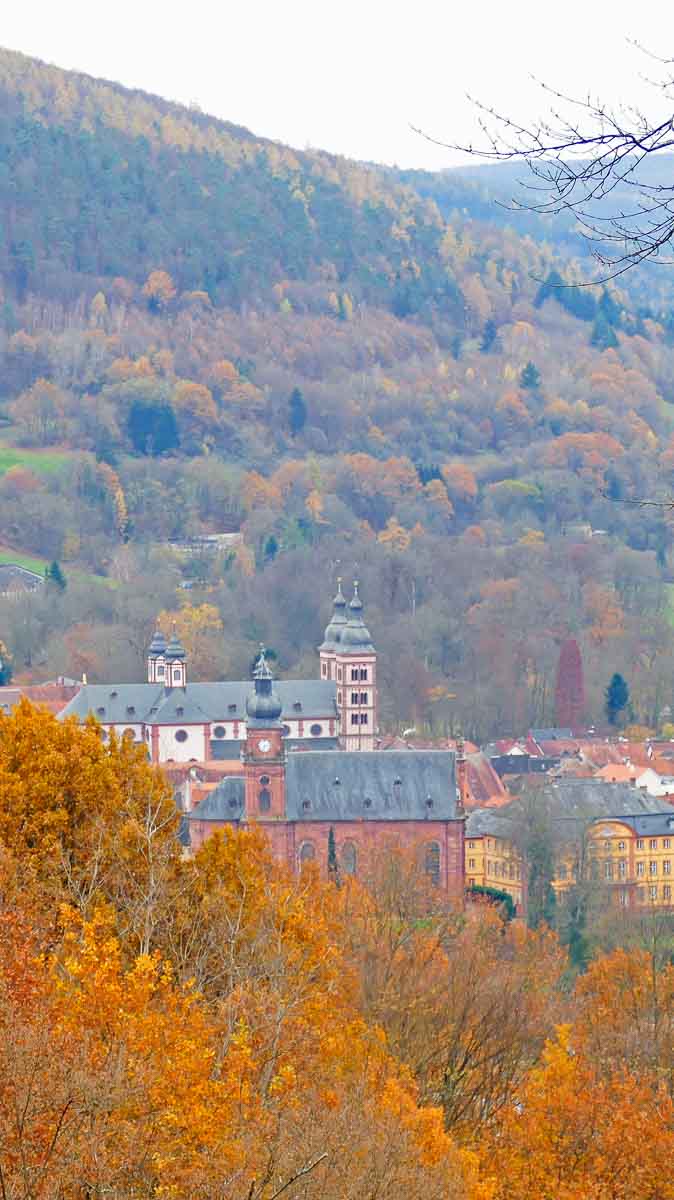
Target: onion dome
{"x":355,"y":635}
{"x":175,"y":648}
{"x":333,"y":630}
{"x":157,"y":645}
{"x":263,"y":704}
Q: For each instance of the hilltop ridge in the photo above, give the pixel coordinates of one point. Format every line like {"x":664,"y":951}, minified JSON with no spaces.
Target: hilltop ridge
{"x":215,"y":331}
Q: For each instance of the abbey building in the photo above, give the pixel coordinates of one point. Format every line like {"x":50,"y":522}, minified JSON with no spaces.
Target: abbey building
{"x":180,"y":721}
{"x":299,"y":758}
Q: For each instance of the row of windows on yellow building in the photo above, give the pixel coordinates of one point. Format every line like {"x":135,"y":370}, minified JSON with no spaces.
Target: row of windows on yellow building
{"x":632,"y":855}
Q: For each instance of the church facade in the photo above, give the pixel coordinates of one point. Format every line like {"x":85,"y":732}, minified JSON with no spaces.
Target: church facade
{"x":339,"y":808}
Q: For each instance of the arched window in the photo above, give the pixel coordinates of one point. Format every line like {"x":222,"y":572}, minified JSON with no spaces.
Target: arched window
{"x":307,"y":853}
{"x":432,"y":864}
{"x":264,"y":799}
{"x":349,"y":858}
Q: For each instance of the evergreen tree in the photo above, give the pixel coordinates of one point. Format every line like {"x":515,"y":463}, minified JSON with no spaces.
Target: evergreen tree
{"x":333,"y":865}
{"x":489,"y":334}
{"x":298,"y":412}
{"x":603,"y":334}
{"x":54,"y":574}
{"x":617,"y":698}
{"x":530,"y":377}
{"x":271,"y":548}
{"x":152,"y":428}
{"x":609,"y":308}
{"x":6,"y":671}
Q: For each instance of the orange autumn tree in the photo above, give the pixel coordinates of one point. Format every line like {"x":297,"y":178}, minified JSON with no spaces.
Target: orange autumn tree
{"x":93,"y":822}
{"x":117,"y":1079}
{"x":465,"y":1001}
{"x":575,"y":1135}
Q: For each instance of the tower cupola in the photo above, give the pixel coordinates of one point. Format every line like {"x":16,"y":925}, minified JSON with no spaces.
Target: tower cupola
{"x":337,"y":622}
{"x":356,"y":635}
{"x":156,"y":658}
{"x":263,"y":706}
{"x":176,"y":662}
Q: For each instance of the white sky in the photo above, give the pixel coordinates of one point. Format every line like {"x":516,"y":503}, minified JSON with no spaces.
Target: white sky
{"x":353,"y":75}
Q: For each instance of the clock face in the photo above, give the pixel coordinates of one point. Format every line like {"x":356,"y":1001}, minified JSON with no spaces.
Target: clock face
{"x":265,"y":745}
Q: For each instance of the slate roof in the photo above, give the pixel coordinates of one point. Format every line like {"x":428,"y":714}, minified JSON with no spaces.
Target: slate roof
{"x":224,"y":803}
{"x":129,"y":703}
{"x":650,"y":824}
{"x":399,"y":785}
{"x":486,"y":822}
{"x":573,"y":802}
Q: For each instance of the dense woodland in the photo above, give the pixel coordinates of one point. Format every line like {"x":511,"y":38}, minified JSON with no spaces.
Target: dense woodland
{"x":204,"y":1027}
{"x":365,"y":371}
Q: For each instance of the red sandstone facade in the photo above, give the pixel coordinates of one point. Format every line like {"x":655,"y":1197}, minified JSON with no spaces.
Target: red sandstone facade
{"x":262,"y":798}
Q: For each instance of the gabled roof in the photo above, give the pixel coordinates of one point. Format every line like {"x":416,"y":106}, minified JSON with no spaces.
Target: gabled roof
{"x":400,"y":785}
{"x":484,"y":784}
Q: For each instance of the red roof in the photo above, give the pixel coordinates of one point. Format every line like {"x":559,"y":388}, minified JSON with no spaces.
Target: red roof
{"x":53,"y":695}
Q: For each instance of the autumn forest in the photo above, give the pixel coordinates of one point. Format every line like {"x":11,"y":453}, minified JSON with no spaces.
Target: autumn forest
{"x":362,"y":371}
{"x":326,"y":368}
{"x":213,"y":1026}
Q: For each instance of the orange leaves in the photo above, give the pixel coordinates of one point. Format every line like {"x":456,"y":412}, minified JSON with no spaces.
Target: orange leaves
{"x":460,"y":481}
{"x":577,"y":450}
{"x":573,"y":1135}
{"x":259,"y":492}
{"x":605,"y":612}
{"x":159,"y":289}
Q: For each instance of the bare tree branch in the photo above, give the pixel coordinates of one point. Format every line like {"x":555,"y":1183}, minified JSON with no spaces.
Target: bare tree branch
{"x":585,"y":160}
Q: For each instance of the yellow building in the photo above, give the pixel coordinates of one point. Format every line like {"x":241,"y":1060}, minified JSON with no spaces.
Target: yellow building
{"x":491,"y":859}
{"x":630,"y":855}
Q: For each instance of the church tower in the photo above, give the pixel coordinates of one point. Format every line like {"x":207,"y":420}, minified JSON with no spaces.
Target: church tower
{"x":156,"y":659}
{"x":176,"y":663}
{"x":333,"y":635}
{"x":264,"y":755}
{"x":355,"y":664}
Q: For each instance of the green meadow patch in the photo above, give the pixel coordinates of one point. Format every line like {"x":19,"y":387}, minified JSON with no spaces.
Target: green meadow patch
{"x":41,"y":462}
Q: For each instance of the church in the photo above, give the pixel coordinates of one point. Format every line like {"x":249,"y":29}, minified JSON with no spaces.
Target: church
{"x":339,"y":808}
{"x":182,"y":722}
{"x":299,"y":757}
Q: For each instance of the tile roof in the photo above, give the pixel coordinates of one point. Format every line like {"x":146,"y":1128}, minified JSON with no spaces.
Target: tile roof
{"x":619,"y":772}
{"x":53,"y":695}
{"x":485,"y":786}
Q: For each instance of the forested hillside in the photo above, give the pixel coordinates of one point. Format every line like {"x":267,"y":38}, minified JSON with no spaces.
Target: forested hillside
{"x":364,"y":372}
